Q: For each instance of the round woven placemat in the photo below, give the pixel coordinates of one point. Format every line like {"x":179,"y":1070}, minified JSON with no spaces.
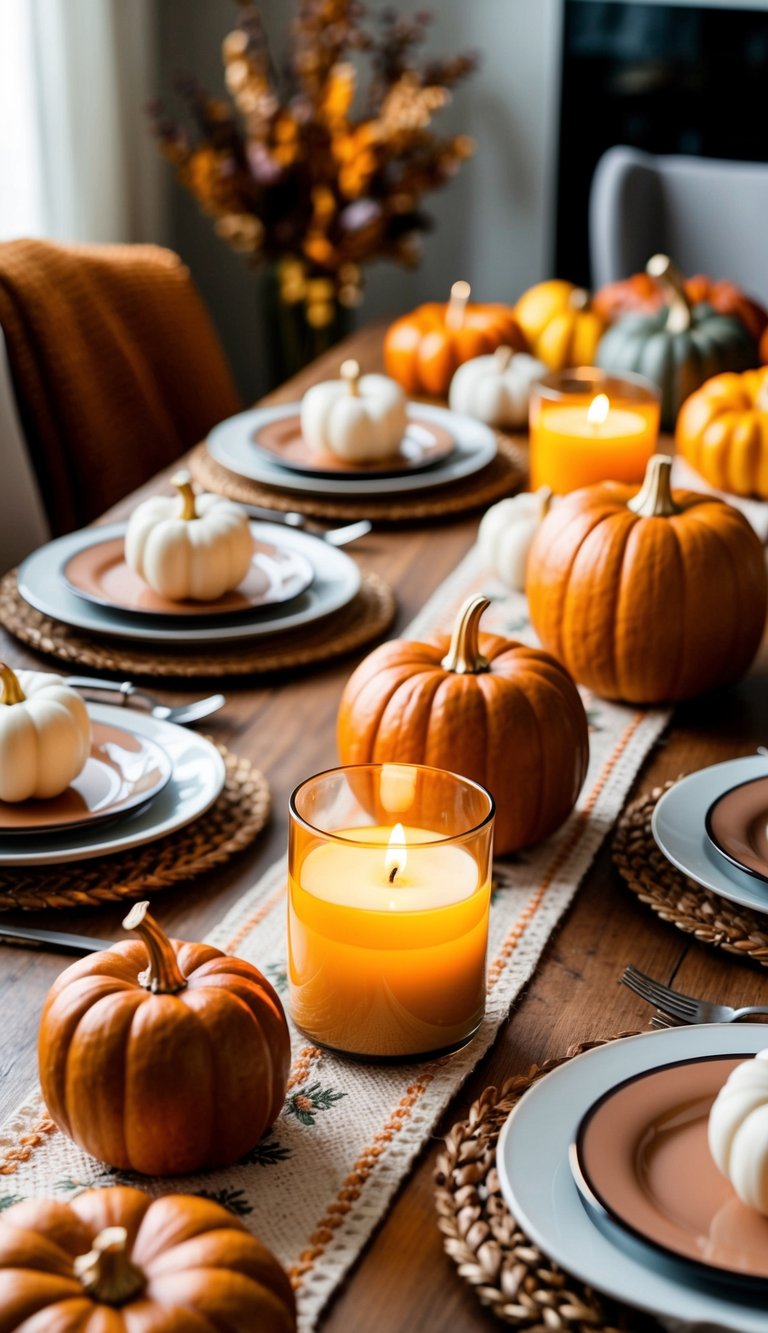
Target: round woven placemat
{"x":510,"y":1274}
{"x":365,"y":618}
{"x":677,"y":899}
{"x":233,"y":821}
{"x":500,"y":477}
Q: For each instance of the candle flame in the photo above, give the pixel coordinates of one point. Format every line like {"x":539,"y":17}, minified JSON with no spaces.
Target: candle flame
{"x":598,"y":409}
{"x":396,"y":859}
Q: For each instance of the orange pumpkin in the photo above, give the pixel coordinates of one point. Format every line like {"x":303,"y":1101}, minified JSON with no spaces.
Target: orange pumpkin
{"x":763,"y":351}
{"x":559,"y":323}
{"x":163,"y":1057}
{"x":422,"y":350}
{"x":648,"y":597}
{"x":492,"y":709}
{"x":641,"y":294}
{"x":116,"y":1261}
{"x":722,"y":430}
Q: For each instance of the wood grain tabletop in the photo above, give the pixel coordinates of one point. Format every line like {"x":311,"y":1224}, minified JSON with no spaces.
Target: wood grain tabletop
{"x":403,"y":1280}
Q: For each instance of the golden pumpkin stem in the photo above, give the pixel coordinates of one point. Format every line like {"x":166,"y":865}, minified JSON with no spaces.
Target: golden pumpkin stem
{"x":183,"y":483}
{"x":163,"y":976}
{"x":457,"y":306}
{"x":579,"y":299}
{"x":10,"y":689}
{"x":545,"y":496}
{"x":679,"y":314}
{"x":503,"y":355}
{"x":106,"y":1272}
{"x":350,"y":371}
{"x":654,"y":499}
{"x":464,"y":657}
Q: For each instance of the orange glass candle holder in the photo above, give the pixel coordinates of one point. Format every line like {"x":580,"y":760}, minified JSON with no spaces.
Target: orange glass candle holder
{"x":388,"y":898}
{"x":588,"y":426}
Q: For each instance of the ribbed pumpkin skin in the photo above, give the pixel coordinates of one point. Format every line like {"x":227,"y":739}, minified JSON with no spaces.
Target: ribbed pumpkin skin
{"x":723,"y":432}
{"x":519,"y":729}
{"x":677,"y":362}
{"x":204,"y":1272}
{"x":168,"y":1083}
{"x":560,"y":333}
{"x":422,"y":353}
{"x":642,"y":294}
{"x":648,"y":610}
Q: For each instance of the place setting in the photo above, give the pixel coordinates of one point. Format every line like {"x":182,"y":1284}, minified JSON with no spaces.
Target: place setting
{"x":193,"y":585}
{"x":97,"y":799}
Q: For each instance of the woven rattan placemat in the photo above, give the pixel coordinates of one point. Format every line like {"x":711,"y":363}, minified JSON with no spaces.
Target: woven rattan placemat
{"x":501,"y":477}
{"x":364,"y":619}
{"x":510,"y":1274}
{"x":677,"y":899}
{"x":232,"y":822}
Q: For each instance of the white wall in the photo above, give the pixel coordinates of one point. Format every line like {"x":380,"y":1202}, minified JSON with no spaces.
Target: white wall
{"x":493,"y":222}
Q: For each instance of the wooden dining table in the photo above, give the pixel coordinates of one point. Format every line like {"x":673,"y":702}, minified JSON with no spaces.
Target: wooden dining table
{"x":286,"y":726}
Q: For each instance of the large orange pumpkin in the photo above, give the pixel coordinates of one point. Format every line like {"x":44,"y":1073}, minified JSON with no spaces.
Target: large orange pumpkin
{"x":642,"y":294}
{"x":492,"y":709}
{"x":648,"y":597}
{"x":422,"y":350}
{"x":563,"y":329}
{"x":722,"y":430}
{"x":116,"y":1261}
{"x":163,"y":1057}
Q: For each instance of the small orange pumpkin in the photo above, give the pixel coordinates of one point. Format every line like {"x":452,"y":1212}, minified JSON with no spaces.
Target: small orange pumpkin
{"x":642,"y":294}
{"x":563,"y":329}
{"x":492,"y":709}
{"x":163,"y":1057}
{"x":722,"y":430}
{"x":422,"y":350}
{"x":116,"y":1260}
{"x":649,"y":597}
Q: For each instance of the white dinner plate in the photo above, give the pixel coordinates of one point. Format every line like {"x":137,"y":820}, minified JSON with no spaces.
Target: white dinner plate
{"x":41,"y":583}
{"x":538,"y":1185}
{"x":231,"y":444}
{"x":678,"y":825}
{"x":196,"y":781}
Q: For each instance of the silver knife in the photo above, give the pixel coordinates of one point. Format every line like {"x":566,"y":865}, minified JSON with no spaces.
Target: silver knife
{"x":52,"y":939}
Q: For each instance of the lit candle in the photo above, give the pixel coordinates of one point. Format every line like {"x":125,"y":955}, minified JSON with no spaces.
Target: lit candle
{"x":387,"y":933}
{"x":588,"y":427}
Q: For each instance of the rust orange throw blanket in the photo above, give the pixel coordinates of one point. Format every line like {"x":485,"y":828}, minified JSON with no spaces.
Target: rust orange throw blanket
{"x":116,"y":367}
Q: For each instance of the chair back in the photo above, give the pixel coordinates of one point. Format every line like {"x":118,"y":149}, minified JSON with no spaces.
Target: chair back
{"x":23,"y":524}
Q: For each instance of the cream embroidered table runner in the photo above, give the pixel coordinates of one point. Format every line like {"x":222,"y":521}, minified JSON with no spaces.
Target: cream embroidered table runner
{"x":321,"y":1180}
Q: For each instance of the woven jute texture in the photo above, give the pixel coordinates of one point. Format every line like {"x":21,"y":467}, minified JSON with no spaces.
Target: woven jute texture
{"x":233,"y":821}
{"x":501,"y":477}
{"x":510,"y":1274}
{"x":366,"y":617}
{"x":677,"y":899}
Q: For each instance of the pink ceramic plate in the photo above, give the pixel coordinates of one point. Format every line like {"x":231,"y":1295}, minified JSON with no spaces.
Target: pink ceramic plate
{"x":423,"y":445}
{"x":641,"y":1160}
{"x":737,"y":826}
{"x":124,"y":772}
{"x":99,"y":574}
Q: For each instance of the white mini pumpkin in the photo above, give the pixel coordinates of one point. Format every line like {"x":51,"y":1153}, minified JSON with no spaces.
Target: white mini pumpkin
{"x":359,"y":419}
{"x":507,"y":531}
{"x":738,"y":1131}
{"x":191,"y":547}
{"x":45,"y":735}
{"x":496,"y":388}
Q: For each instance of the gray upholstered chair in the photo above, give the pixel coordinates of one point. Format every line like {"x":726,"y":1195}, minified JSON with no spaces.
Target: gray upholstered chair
{"x":711,"y":216}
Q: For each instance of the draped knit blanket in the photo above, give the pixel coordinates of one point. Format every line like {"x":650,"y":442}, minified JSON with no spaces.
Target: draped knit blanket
{"x":115,"y":365}
{"x":322,"y":1178}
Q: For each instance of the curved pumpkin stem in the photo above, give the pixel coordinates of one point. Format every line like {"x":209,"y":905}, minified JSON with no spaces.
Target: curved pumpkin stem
{"x":502,"y":356}
{"x":679,"y":314}
{"x":106,"y":1272}
{"x":464,"y":657}
{"x":457,"y":306}
{"x":579,"y":299}
{"x":163,"y":976}
{"x":654,"y":499}
{"x":350,"y":372}
{"x":183,"y":483}
{"x":10,"y":689}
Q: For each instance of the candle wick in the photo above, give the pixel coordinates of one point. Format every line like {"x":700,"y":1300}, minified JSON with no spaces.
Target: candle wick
{"x":392,"y":874}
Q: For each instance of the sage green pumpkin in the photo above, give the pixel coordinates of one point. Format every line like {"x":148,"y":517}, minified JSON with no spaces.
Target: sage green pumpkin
{"x":677,"y":347}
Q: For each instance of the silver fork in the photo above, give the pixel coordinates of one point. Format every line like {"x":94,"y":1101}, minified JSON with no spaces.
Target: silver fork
{"x":182,"y":714}
{"x":684,"y":1008}
{"x":292,"y":519}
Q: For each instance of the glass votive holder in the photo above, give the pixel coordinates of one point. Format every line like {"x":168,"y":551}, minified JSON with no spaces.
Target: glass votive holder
{"x":389,"y":887}
{"x":587,"y":425}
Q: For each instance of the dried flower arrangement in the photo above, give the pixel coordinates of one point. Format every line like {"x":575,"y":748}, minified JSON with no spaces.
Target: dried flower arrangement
{"x":311,"y":171}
